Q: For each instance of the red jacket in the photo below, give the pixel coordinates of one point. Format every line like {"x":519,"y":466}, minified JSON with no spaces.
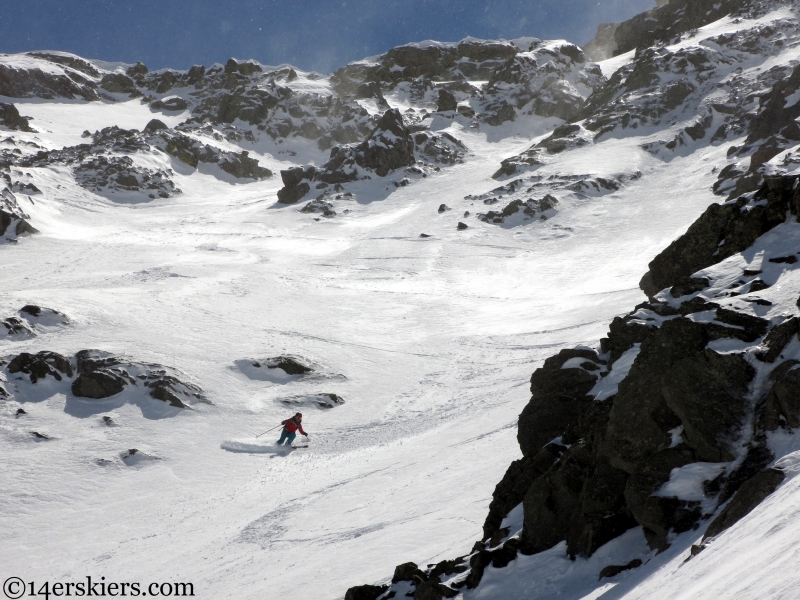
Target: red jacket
{"x":291,"y":426}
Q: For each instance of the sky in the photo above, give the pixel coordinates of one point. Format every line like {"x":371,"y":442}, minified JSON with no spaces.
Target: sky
{"x":313,"y":35}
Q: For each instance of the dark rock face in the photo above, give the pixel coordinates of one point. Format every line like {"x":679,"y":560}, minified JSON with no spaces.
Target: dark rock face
{"x":736,"y":223}
{"x":138,"y":69}
{"x":783,"y":399}
{"x":291,"y":195}
{"x":10,"y":117}
{"x":557,"y":402}
{"x":778,"y":338}
{"x":620,"y":451}
{"x":37,"y":83}
{"x":669,"y":21}
{"x":511,"y":490}
{"x":74,"y":62}
{"x":750,"y":495}
{"x":676,"y":381}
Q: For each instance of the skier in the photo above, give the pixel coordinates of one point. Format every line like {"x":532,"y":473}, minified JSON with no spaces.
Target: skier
{"x":289,"y":428}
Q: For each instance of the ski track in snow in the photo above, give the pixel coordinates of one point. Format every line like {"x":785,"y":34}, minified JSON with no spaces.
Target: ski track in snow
{"x":436,"y":339}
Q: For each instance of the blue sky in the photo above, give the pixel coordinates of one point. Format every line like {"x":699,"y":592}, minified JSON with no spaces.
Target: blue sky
{"x":309,"y":34}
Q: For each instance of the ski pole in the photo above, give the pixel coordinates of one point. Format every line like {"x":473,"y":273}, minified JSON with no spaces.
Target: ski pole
{"x":268,"y":430}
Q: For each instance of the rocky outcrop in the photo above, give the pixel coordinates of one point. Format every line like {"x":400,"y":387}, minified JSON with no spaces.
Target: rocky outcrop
{"x":105,"y":166}
{"x":605,"y":433}
{"x":722,"y":231}
{"x":31,"y":320}
{"x":117,"y":83}
{"x":96,"y":375}
{"x":323,"y":400}
{"x":41,"y":365}
{"x":10,"y":117}
{"x":30,"y":76}
{"x":102,"y":375}
{"x":527,"y":209}
{"x":241,"y":166}
{"x":365,"y":592}
{"x":13,"y":221}
{"x":668,"y":21}
{"x":547,"y":81}
{"x":388,"y":148}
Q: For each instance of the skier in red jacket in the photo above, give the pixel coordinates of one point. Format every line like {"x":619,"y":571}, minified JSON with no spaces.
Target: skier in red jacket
{"x":289,"y":428}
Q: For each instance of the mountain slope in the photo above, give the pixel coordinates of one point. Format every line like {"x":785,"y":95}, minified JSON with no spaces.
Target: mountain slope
{"x":193,"y":227}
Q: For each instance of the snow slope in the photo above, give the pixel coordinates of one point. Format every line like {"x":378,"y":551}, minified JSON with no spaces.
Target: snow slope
{"x":435,"y":336}
{"x":430,"y":341}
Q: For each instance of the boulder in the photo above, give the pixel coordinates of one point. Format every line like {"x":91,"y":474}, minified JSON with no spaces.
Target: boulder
{"x":614,"y":570}
{"x":97,"y":385}
{"x":365,"y":592}
{"x":154,"y":125}
{"x":447,"y":102}
{"x":291,"y":195}
{"x":242,"y":166}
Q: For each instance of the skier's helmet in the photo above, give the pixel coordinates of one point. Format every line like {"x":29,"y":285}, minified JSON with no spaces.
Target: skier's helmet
{"x":299,"y":415}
